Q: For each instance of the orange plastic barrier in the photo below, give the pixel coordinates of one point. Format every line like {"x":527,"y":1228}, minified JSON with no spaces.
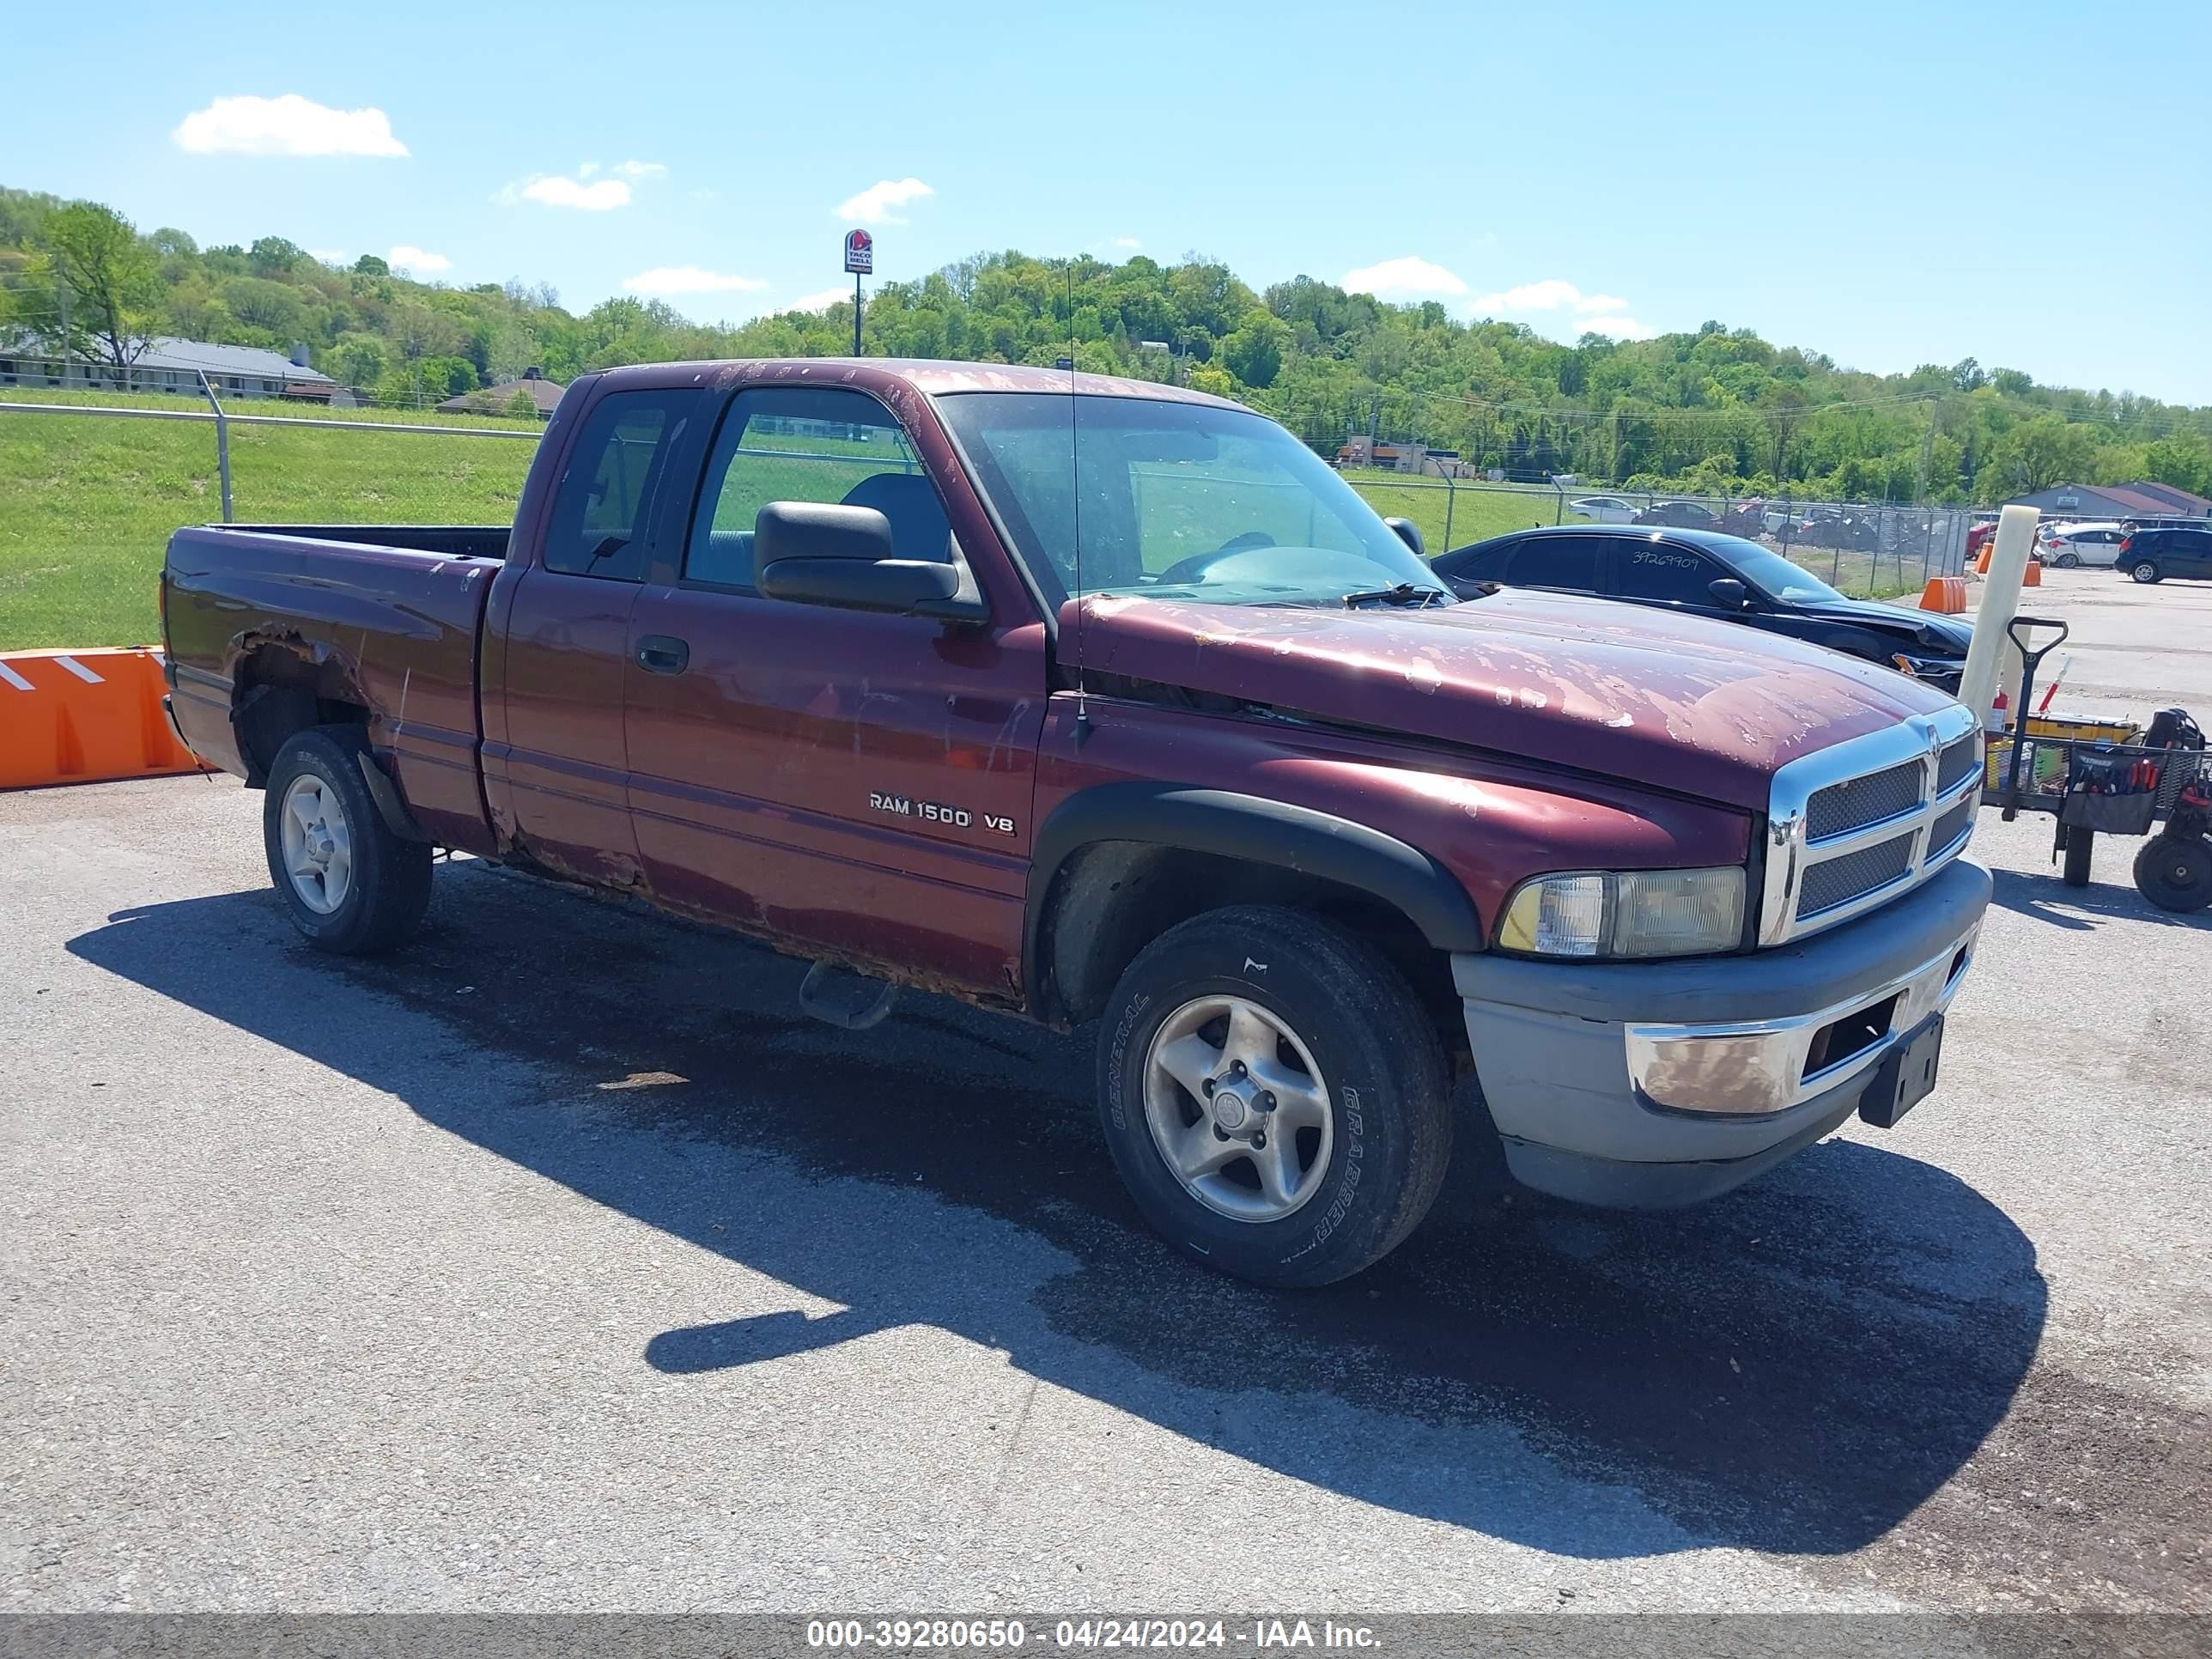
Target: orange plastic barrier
{"x":1981,"y":563}
{"x":1945,"y":593}
{"x":2032,"y":576}
{"x":81,"y":716}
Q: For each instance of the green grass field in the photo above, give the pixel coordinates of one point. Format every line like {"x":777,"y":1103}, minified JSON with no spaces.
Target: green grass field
{"x":87,"y":504}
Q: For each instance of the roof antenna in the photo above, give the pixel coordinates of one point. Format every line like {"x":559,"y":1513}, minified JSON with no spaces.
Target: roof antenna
{"x":1075,"y":497}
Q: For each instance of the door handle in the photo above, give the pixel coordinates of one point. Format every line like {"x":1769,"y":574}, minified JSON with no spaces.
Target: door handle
{"x":658,"y":653}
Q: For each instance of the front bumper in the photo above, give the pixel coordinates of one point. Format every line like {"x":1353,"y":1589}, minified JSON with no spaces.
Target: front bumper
{"x":1654,"y":1084}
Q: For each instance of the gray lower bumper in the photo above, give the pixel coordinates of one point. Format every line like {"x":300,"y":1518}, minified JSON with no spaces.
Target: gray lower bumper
{"x":1657,"y":1083}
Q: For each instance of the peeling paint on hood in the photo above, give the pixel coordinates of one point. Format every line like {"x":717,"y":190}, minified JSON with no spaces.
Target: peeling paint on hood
{"x":1693,"y":706}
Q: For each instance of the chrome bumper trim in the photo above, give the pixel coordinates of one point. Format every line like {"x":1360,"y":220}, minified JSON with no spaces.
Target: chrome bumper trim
{"x":1757,"y":1068}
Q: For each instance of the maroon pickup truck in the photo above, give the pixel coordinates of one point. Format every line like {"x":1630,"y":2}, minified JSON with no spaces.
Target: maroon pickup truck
{"x":1097,"y":701}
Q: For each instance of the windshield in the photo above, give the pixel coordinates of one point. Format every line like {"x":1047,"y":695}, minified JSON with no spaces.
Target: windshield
{"x":1177,"y":501}
{"x":1777,"y":577}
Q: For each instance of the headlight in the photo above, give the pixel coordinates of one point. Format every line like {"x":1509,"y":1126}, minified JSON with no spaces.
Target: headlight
{"x":1633,"y":913}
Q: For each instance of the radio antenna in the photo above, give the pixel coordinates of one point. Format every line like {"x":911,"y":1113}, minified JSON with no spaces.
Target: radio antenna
{"x":1075,"y":498}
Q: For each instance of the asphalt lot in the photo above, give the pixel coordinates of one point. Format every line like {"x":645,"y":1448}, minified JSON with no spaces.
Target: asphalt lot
{"x":2133,"y":648}
{"x":560,"y":1263}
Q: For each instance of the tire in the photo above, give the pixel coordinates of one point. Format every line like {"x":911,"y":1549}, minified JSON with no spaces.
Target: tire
{"x":2080,"y":847}
{"x":1352,"y":1055}
{"x":338,"y":847}
{"x":2067,"y":561}
{"x":2144,"y":571}
{"x":2174,"y":873}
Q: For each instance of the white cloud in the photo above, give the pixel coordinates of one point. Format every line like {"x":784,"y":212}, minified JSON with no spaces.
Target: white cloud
{"x":552,"y":190}
{"x":421,"y":261}
{"x":822,"y":301}
{"x":875,"y":205}
{"x":1550,"y":295}
{"x":289,"y":125}
{"x":1126,"y":242}
{"x":1618,"y":327}
{"x":1405,"y":276}
{"x":588,"y":191}
{"x":664,"y":280}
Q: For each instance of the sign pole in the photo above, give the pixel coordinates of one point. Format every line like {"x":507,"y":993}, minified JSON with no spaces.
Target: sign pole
{"x":861,"y":261}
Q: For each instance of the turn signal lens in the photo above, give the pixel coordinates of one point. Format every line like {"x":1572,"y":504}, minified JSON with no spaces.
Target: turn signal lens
{"x":1632,"y":912}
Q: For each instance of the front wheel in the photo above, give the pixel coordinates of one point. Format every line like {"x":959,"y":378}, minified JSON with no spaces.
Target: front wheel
{"x":1272,"y":1095}
{"x":2144,"y":571}
{"x":352,"y":886}
{"x":2174,"y":873}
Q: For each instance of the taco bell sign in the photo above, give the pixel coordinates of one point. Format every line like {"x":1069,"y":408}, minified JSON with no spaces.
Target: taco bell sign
{"x":860,"y":253}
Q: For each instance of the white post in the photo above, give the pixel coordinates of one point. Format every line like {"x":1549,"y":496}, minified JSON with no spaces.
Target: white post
{"x":1987,"y":655}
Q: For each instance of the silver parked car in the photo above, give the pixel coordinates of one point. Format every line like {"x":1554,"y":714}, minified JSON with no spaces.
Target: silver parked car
{"x":1603,"y":509}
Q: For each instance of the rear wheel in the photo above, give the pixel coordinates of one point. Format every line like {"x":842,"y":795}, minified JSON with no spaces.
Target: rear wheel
{"x":352,"y":887}
{"x":1272,"y":1095}
{"x":2174,"y":873}
{"x":2067,"y":561}
{"x":2144,"y":571}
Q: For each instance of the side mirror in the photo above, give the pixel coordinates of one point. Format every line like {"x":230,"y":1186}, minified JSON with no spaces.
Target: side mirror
{"x":818,"y":553}
{"x":1410,"y":533}
{"x":1729,"y":593}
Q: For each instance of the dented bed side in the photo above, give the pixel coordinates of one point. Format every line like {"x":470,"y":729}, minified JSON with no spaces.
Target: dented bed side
{"x":392,"y":632}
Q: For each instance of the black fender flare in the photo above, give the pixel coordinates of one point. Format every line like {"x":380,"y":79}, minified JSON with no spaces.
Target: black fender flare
{"x":1257,"y":831}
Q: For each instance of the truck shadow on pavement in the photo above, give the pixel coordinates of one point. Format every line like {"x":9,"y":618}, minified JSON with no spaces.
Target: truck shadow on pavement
{"x":1795,"y":1367}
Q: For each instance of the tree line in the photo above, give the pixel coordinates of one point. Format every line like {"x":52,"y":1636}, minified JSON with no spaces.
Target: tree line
{"x":1718,"y":410}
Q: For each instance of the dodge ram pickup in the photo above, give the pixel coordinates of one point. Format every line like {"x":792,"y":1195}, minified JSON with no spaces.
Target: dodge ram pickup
{"x":1095,"y":701}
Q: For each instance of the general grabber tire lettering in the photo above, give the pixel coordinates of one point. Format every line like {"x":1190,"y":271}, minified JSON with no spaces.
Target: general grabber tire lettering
{"x":1273,"y":1095}
{"x":352,"y":887}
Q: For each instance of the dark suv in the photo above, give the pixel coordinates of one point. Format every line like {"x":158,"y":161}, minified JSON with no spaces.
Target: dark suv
{"x":2152,"y":555}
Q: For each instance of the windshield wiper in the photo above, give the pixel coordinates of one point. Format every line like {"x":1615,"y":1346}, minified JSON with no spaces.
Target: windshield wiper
{"x":1412,"y":593}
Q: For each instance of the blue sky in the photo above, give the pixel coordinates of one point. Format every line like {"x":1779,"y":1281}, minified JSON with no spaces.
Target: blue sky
{"x":1892,"y":183}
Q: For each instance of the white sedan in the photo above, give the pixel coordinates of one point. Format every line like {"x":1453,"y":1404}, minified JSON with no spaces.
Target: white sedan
{"x":2068,"y":546}
{"x":1603,"y":509}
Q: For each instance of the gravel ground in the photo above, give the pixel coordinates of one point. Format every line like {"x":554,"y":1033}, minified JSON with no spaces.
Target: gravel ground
{"x":559,"y":1263}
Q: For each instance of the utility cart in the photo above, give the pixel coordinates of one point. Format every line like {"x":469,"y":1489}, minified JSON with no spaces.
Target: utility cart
{"x":2110,"y":778}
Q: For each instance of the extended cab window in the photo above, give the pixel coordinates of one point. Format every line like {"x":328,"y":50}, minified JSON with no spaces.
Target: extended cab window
{"x":603,"y":512}
{"x":809,"y":444}
{"x":1662,"y":570}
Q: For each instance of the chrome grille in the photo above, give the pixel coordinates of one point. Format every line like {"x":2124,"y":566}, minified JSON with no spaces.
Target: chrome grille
{"x":1852,"y":875}
{"x":1863,"y":822}
{"x":1953,"y":824}
{"x":1856,"y":803}
{"x":1956,"y":762}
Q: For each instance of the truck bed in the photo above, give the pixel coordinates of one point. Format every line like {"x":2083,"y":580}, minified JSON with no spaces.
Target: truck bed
{"x":385,"y":619}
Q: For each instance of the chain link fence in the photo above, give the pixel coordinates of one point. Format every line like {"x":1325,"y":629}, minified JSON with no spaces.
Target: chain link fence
{"x":89,"y":493}
{"x":1864,"y":549}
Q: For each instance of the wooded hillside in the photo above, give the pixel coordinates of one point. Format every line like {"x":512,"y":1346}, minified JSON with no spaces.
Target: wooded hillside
{"x":1719,"y":410}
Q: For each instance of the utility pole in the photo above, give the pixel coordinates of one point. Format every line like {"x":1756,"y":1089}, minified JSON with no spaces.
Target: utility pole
{"x":1927,"y":454}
